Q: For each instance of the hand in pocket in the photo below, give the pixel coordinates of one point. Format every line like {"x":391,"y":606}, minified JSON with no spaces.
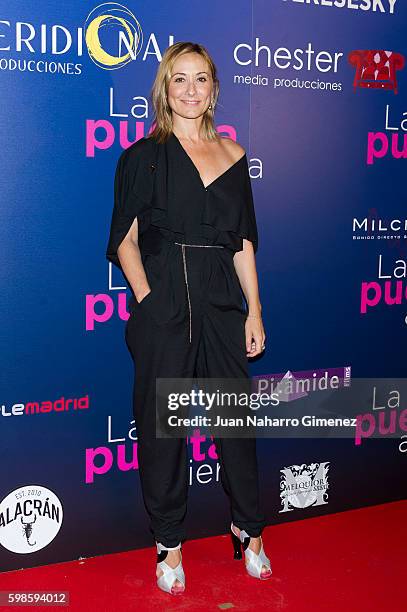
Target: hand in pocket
{"x":139,"y":300}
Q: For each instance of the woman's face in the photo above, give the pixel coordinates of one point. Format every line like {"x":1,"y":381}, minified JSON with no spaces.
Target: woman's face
{"x":190,"y":87}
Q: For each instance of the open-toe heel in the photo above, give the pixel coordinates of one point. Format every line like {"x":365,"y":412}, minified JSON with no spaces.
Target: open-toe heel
{"x":166,"y":582}
{"x":254,"y":562}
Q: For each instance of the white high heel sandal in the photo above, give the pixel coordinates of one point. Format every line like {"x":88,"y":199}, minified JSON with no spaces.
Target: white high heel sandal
{"x":254,"y":562}
{"x":170,"y":574}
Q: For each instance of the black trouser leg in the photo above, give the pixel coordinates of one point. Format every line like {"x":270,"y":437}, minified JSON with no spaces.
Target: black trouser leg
{"x":163,"y":466}
{"x":222,"y":355}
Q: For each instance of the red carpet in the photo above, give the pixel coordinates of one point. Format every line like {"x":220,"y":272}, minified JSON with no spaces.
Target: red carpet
{"x":350,"y":561}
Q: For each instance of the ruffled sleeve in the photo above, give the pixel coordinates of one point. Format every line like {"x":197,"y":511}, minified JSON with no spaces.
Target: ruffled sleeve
{"x":249,"y":226}
{"x":229,"y":207}
{"x":133,"y":187}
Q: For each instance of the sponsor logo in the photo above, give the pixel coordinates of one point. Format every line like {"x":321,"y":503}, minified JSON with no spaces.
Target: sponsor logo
{"x":302,"y":486}
{"x":376,"y":69}
{"x":30,"y":518}
{"x":391,"y":231}
{"x":294,"y":385}
{"x":63,"y":404}
{"x":282,"y":58}
{"x":374,"y":227}
{"x":111,"y":34}
{"x":375,"y":6}
{"x":108,"y":20}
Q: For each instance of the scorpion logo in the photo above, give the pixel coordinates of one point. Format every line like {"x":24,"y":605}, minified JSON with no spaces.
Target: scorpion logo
{"x":28,"y":529}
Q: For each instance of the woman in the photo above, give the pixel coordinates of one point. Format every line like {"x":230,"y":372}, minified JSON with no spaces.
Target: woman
{"x":180,"y":188}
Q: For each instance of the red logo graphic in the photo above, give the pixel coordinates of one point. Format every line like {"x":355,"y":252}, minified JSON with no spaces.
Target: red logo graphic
{"x":376,"y":69}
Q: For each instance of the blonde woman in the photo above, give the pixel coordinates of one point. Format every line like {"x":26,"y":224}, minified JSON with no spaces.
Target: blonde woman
{"x":184,"y":234}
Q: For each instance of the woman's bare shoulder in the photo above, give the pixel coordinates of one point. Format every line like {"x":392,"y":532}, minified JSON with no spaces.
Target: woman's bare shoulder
{"x":234,"y":149}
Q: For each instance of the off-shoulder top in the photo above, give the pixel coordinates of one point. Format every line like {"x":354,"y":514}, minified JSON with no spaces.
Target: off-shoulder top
{"x":160,"y":185}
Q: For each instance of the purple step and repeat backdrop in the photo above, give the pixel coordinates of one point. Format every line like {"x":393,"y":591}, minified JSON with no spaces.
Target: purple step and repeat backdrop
{"x":316,"y":93}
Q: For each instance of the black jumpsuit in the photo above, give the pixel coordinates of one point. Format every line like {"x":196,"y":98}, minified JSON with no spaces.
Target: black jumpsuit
{"x":192,"y":322}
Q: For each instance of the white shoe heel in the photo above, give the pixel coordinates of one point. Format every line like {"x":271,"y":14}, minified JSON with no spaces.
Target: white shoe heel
{"x":254,"y":562}
{"x":170,"y":574}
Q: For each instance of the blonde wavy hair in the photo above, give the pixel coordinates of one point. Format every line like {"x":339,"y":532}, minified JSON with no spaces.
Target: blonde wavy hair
{"x":159,"y":92}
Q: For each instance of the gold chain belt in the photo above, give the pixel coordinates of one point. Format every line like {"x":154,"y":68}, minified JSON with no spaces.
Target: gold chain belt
{"x":183,"y":245}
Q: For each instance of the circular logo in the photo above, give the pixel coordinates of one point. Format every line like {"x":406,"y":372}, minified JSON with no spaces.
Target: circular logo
{"x":110,"y":29}
{"x":30,"y":518}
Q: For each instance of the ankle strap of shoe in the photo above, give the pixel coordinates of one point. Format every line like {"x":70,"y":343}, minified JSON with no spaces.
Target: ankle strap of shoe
{"x":161,"y":547}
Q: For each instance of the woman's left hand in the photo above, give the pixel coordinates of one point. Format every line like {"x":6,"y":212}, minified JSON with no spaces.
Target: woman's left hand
{"x":255,"y":336}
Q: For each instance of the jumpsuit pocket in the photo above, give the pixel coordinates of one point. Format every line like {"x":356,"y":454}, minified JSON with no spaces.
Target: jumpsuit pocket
{"x":147,"y":265}
{"x":225,"y":292}
{"x":145,"y":298}
{"x":154,"y":304}
{"x":134,"y":303}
